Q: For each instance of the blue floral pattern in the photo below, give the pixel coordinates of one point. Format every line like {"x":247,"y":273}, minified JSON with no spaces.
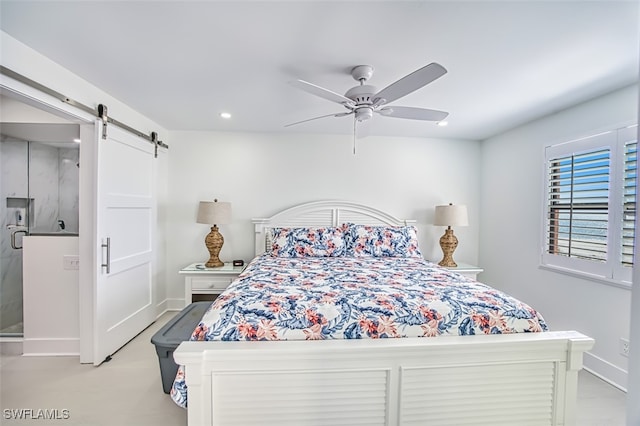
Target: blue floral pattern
{"x":317,"y":298}
{"x":382,"y":241}
{"x":308,"y":242}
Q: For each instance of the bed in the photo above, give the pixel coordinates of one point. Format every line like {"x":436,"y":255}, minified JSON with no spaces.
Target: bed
{"x":306,"y":336}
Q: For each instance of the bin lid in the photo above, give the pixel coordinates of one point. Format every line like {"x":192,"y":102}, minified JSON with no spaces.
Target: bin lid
{"x":180,"y":327}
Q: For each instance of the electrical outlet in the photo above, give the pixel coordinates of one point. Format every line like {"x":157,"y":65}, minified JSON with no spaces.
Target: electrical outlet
{"x":70,"y":262}
{"x":624,"y":347}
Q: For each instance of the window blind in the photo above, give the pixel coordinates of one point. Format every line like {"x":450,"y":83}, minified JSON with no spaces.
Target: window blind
{"x":629,"y":202}
{"x":578,"y":205}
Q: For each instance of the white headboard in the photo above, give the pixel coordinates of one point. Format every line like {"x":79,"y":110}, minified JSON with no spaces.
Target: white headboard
{"x":322,"y":213}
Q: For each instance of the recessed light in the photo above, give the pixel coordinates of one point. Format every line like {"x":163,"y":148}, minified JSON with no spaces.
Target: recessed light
{"x":225,"y":115}
{"x":442,"y":123}
{"x":76,"y":140}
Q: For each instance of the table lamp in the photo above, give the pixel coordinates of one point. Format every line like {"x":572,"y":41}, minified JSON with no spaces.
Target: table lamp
{"x":450,"y":215}
{"x":214,"y":213}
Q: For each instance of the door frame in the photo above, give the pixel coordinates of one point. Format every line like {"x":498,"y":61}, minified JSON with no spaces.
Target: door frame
{"x":86,"y":213}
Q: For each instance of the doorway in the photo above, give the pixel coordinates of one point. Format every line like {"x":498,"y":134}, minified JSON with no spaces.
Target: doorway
{"x":39,"y":193}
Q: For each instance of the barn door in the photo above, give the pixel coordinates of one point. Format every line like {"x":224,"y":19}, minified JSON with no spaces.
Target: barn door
{"x":125,"y":243}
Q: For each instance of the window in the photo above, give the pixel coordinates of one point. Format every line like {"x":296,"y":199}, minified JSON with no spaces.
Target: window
{"x":590,"y":205}
{"x":629,"y":201}
{"x":579,"y":205}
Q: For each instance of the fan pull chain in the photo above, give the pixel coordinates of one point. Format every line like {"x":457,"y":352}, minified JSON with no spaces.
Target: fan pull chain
{"x":354,"y":135}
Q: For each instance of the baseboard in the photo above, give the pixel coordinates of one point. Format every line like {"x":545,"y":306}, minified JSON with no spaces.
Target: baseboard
{"x":51,"y":347}
{"x":174,"y":304}
{"x":608,"y":372}
{"x":161,"y":308}
{"x":169,"y":305}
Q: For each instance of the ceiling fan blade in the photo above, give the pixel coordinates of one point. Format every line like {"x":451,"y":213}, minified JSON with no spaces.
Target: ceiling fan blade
{"x":413,"y":113}
{"x":339,"y":114}
{"x":411,"y":82}
{"x":321,"y":91}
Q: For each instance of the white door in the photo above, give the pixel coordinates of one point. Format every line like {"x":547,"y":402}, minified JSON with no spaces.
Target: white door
{"x":125,"y":223}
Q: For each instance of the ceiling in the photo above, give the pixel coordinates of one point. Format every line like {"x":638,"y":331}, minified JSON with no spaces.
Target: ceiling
{"x":181,"y":63}
{"x":23,"y":122}
{"x":58,"y":135}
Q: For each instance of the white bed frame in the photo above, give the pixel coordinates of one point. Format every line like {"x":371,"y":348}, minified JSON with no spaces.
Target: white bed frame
{"x":518,"y":379}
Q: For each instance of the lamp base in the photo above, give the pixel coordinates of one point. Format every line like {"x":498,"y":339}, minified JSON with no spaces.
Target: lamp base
{"x":448,"y":244}
{"x":214,"y":242}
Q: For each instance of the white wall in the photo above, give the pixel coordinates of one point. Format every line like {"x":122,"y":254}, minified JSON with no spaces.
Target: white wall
{"x":511,"y":214}
{"x":51,"y":308}
{"x":162,"y":190}
{"x":261,"y":174}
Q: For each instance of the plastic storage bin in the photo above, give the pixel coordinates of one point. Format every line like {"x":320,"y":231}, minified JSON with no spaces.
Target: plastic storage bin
{"x":174,"y":332}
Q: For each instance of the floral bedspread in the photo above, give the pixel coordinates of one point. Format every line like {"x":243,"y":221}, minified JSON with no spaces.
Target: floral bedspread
{"x":313,"y":298}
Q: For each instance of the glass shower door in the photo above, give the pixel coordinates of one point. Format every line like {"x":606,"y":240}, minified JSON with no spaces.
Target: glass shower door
{"x":15,"y":214}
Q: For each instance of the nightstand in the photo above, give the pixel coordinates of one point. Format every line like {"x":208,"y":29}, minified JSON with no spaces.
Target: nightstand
{"x":201,"y":280}
{"x":467,"y":270}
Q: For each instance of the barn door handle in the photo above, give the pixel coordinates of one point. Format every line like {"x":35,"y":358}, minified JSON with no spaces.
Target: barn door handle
{"x":107,"y":264}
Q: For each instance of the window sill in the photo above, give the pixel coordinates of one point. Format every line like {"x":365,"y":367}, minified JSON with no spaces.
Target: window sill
{"x":591,"y":277}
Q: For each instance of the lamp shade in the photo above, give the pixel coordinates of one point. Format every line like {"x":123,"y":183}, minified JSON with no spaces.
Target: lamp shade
{"x":214,"y":212}
{"x":451,"y":215}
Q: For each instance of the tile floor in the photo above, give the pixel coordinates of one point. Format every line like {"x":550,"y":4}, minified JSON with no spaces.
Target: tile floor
{"x":127,"y":391}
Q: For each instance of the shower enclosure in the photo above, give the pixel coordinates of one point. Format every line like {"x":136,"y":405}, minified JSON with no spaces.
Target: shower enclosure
{"x":38,"y":195}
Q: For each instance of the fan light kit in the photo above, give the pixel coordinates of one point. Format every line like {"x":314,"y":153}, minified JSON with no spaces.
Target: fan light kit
{"x":364,"y":100}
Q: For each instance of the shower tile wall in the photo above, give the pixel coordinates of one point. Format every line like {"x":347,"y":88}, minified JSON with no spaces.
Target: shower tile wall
{"x":43,"y":187}
{"x":69,"y":184}
{"x":53,"y":184}
{"x":53,"y":187}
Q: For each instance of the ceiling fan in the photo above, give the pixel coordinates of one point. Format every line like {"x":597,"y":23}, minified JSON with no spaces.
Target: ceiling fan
{"x":364,"y":100}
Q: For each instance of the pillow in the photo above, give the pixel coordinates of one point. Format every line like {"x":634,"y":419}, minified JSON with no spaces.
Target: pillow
{"x":308,"y":242}
{"x":382,"y":241}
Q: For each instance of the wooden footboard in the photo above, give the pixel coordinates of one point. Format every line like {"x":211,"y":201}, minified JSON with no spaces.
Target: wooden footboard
{"x":517,"y":379}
